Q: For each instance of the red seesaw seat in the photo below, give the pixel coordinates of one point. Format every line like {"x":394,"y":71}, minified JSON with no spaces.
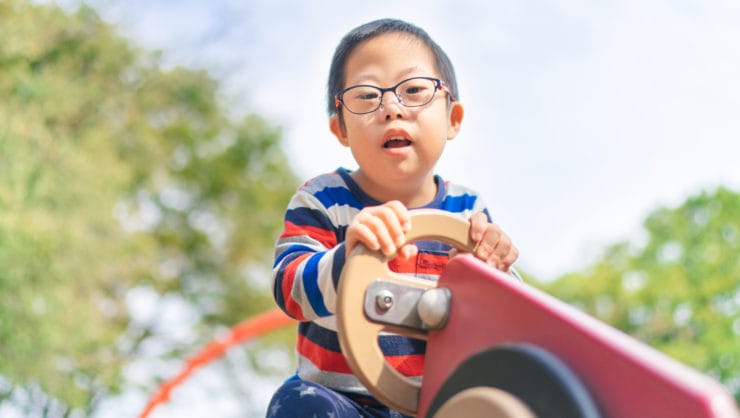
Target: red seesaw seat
{"x":498,"y":347}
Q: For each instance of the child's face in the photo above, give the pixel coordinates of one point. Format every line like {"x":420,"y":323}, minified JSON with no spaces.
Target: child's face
{"x":396,"y":147}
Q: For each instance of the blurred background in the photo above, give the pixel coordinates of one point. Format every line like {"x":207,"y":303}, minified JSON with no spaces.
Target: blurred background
{"x":148,"y":150}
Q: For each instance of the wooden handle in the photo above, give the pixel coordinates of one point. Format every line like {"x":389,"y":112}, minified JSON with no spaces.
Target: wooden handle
{"x":358,"y":336}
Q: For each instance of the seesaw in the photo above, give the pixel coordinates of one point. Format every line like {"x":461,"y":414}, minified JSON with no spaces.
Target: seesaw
{"x":500,"y":348}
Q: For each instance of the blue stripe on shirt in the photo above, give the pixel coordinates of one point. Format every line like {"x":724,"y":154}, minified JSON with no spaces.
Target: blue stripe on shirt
{"x":338,"y":264}
{"x":280,"y":276}
{"x":488,"y":215}
{"x":323,"y":337}
{"x":393,"y":345}
{"x":390,"y":345}
{"x":304,"y":216}
{"x":290,"y":250}
{"x":311,"y":285}
{"x":337,"y":196}
{"x":458,"y":203}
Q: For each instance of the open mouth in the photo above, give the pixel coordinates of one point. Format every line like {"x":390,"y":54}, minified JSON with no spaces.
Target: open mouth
{"x":396,"y":143}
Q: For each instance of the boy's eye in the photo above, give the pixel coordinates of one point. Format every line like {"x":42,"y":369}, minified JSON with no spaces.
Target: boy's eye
{"x":413,"y":90}
{"x":415,"y":87}
{"x":370,"y":95}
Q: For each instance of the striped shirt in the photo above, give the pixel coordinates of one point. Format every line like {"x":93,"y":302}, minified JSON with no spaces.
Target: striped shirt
{"x":310,"y":255}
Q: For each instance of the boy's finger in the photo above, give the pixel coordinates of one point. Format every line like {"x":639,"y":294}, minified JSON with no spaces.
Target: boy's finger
{"x":380,"y":231}
{"x":401,"y":212}
{"x":408,"y":251}
{"x":392,"y":224}
{"x":502,"y":248}
{"x":366,"y":236}
{"x":478,"y":225}
{"x":510,"y":258}
{"x":484,"y":249}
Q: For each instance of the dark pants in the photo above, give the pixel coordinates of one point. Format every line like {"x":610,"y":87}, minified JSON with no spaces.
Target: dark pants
{"x":299,"y":398}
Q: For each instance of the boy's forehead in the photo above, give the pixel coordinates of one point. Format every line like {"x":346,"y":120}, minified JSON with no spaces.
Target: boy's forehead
{"x":401,"y":40}
{"x":404,"y":52}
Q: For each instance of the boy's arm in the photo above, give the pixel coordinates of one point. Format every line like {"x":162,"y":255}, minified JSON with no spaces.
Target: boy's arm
{"x":308,"y":260}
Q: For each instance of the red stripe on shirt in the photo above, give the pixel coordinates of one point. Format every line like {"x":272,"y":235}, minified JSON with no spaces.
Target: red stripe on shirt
{"x":289,"y":275}
{"x":411,"y":365}
{"x":423,"y":263}
{"x":325,"y":360}
{"x":327,"y":238}
{"x":331,"y":361}
{"x":431,"y":263}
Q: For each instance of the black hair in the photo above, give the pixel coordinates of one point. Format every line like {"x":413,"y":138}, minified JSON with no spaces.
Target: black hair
{"x":375,"y":28}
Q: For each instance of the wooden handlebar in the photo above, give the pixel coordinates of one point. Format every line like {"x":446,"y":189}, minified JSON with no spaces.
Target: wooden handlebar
{"x":358,"y":336}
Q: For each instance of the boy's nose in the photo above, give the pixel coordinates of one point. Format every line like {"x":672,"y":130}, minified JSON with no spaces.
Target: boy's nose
{"x":391,"y":106}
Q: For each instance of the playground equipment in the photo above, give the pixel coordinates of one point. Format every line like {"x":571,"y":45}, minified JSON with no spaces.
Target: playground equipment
{"x":500,"y":348}
{"x":244,"y":331}
{"x":496,"y":347}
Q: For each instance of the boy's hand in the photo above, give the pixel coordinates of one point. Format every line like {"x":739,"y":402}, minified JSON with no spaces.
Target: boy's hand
{"x":382,"y":228}
{"x":492,"y":245}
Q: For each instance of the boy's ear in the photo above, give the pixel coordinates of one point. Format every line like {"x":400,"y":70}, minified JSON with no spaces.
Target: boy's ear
{"x":338,"y":130}
{"x":456,"y":116}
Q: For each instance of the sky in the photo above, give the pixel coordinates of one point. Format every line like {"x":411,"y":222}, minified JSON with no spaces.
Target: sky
{"x":582,"y":117}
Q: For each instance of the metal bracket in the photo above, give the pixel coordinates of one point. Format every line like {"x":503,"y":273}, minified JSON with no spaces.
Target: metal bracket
{"x":392,"y":303}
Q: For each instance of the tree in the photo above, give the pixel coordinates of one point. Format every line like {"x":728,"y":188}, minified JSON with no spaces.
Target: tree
{"x":117,"y":174}
{"x":679,"y":290}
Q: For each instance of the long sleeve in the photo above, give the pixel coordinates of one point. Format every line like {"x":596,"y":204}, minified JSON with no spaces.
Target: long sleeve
{"x":308,"y":259}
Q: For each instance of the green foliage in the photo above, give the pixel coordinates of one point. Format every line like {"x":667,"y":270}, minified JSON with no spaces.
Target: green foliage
{"x":115,"y":174}
{"x":679,"y":290}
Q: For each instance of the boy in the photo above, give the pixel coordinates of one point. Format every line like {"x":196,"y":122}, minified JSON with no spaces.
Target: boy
{"x":392,"y":101}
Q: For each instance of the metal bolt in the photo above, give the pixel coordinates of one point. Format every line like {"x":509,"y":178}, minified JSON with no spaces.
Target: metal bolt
{"x":384,"y":299}
{"x":434,"y":308}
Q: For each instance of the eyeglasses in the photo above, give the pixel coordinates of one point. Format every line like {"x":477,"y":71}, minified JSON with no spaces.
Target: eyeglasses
{"x":412,"y":92}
